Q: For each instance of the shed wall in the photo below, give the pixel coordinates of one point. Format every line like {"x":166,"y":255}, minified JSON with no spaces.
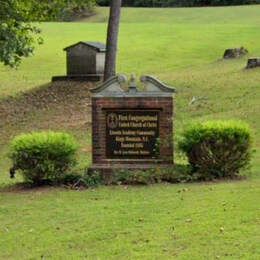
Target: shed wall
{"x":81,"y":60}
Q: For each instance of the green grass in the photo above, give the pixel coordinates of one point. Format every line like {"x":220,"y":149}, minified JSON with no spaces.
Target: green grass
{"x":207,"y":221}
{"x":148,"y":44}
{"x":182,"y":47}
{"x":240,"y":15}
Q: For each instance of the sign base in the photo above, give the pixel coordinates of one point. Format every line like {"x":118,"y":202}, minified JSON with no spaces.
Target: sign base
{"x":108,"y":171}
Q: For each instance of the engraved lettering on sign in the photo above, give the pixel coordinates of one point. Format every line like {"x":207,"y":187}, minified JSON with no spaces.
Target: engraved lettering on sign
{"x":132,"y":134}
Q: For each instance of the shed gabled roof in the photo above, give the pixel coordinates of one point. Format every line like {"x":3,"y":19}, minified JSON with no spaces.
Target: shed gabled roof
{"x":98,"y":46}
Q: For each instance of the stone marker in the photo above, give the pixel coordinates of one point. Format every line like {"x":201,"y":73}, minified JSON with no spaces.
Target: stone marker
{"x":132,"y":129}
{"x":235,"y":53}
{"x":253,"y":63}
{"x":85,"y":61}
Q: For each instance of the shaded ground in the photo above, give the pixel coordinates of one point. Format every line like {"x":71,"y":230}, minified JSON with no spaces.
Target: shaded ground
{"x":67,"y":100}
{"x":63,"y":106}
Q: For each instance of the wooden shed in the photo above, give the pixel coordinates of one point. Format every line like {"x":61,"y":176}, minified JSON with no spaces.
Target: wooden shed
{"x":86,"y":58}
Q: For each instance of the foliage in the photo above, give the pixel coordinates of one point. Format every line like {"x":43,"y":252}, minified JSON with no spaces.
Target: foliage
{"x":91,"y":179}
{"x":18,"y":35}
{"x":43,"y":156}
{"x":59,"y":10}
{"x":137,"y":176}
{"x":179,"y":173}
{"x":86,"y":180}
{"x":187,"y":3}
{"x":175,"y":174}
{"x":217,"y":149}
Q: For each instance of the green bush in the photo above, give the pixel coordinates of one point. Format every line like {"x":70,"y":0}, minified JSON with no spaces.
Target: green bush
{"x":178,"y":174}
{"x":134,"y":177}
{"x":174,"y":174}
{"x":78,"y":180}
{"x":43,"y":156}
{"x":90,"y":179}
{"x":217,"y":149}
{"x":60,"y":10}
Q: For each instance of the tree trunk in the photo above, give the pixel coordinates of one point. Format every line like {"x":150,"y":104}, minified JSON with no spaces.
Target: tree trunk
{"x":112,"y":35}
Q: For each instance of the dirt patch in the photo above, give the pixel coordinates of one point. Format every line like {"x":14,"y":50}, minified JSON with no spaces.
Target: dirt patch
{"x":67,"y":96}
{"x":56,"y":106}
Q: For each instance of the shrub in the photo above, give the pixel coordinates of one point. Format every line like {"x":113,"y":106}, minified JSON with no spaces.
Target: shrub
{"x":42,"y":156}
{"x":86,"y":180}
{"x":60,"y":10}
{"x":174,"y":174}
{"x":146,"y":177}
{"x":178,"y":174}
{"x":217,"y":149}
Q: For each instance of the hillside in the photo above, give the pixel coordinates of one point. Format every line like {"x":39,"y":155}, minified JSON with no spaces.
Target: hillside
{"x":184,"y":48}
{"x":187,"y":54}
{"x":157,"y":41}
{"x":239,"y":15}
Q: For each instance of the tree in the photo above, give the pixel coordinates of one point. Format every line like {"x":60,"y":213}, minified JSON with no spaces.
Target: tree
{"x":112,"y":39}
{"x":18,"y":36}
{"x":16,"y":33}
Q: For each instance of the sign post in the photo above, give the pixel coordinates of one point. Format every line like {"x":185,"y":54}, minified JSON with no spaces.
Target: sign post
{"x":132,"y":129}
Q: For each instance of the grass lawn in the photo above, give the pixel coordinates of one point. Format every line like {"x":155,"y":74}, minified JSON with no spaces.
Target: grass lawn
{"x":207,"y":221}
{"x":182,"y":47}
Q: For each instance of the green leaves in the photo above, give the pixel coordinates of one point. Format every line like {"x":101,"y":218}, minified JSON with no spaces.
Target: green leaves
{"x":217,"y":149}
{"x":17,"y":40}
{"x":43,"y":155}
{"x":18,"y":37}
